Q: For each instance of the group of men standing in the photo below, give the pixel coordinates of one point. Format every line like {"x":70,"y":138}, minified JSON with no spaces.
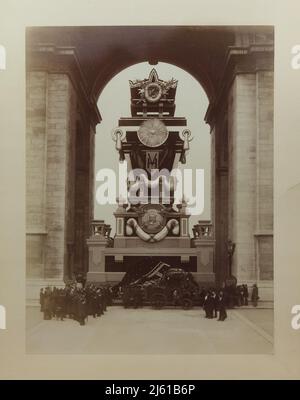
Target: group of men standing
{"x":75,"y":301}
{"x":215,"y":301}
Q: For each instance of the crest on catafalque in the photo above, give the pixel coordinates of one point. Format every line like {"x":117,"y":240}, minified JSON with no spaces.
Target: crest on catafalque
{"x":153,"y":89}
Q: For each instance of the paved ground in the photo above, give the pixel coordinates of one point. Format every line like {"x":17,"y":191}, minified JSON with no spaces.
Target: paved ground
{"x":148,"y":331}
{"x":263,"y":319}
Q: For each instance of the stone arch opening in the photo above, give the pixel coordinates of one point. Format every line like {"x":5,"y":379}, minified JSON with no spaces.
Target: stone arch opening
{"x":68,"y":67}
{"x":118,"y":66}
{"x":191,"y":102}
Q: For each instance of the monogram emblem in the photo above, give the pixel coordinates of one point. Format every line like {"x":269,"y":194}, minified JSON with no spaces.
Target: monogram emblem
{"x":152,"y":218}
{"x":152,"y":160}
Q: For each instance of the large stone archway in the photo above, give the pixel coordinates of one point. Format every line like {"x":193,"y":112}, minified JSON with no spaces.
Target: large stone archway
{"x":67,"y":68}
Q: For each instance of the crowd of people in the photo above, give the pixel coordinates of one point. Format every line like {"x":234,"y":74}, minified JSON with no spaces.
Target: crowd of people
{"x":75,"y":301}
{"x":78,"y":302}
{"x":214,"y":301}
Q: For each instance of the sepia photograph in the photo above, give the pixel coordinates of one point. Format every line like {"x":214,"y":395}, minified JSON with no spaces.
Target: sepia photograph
{"x":150,"y":193}
{"x":149,"y":189}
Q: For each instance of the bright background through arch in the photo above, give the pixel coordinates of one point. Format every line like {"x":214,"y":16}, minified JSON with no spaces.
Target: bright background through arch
{"x":191,"y":102}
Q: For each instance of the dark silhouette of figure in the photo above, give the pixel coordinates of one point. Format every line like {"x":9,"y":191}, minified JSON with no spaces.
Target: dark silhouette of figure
{"x":246,"y":294}
{"x":209,"y":305}
{"x":254,"y":296}
{"x":222,"y":306}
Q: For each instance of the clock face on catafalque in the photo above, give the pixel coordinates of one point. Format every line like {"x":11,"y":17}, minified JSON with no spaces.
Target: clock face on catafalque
{"x":153,"y":133}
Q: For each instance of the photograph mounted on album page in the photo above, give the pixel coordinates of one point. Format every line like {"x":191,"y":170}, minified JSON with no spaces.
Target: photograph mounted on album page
{"x":151,"y":193}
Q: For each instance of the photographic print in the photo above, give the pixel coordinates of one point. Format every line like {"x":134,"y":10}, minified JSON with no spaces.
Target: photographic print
{"x":149,"y":189}
{"x":150,"y":192}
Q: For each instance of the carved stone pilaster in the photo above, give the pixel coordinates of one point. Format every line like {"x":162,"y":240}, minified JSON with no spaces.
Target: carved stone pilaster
{"x":63,"y":60}
{"x":239,"y":60}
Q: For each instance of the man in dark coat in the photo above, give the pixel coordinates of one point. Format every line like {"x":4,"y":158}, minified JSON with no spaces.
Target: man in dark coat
{"x":246,"y":294}
{"x":215,"y":304}
{"x":81,"y":310}
{"x":209,"y":305}
{"x":222,"y":307}
{"x":254,"y":296}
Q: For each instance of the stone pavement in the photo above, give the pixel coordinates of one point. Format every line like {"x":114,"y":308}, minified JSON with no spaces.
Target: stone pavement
{"x":148,"y":331}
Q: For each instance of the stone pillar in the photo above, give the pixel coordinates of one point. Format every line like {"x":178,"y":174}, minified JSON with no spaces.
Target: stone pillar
{"x":264,"y":184}
{"x":120,"y":226}
{"x":96,"y":246}
{"x":51,"y":113}
{"x":36,"y":161}
{"x":89,"y":208}
{"x":242,"y":174}
{"x":57,"y":98}
{"x":242,"y":162}
{"x":83,"y":194}
{"x":204,"y":242}
{"x":60,"y":179}
{"x":49,"y":137}
{"x":220,"y":194}
{"x":264,"y":191}
{"x":251,"y":177}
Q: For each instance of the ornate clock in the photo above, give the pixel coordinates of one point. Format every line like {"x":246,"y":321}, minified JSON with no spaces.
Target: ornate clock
{"x":153,"y":133}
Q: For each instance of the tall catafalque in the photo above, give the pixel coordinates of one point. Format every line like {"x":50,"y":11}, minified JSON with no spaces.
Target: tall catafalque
{"x":152,"y":223}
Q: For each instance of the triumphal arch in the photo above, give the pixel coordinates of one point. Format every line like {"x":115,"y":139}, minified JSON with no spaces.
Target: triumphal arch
{"x":66,"y":70}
